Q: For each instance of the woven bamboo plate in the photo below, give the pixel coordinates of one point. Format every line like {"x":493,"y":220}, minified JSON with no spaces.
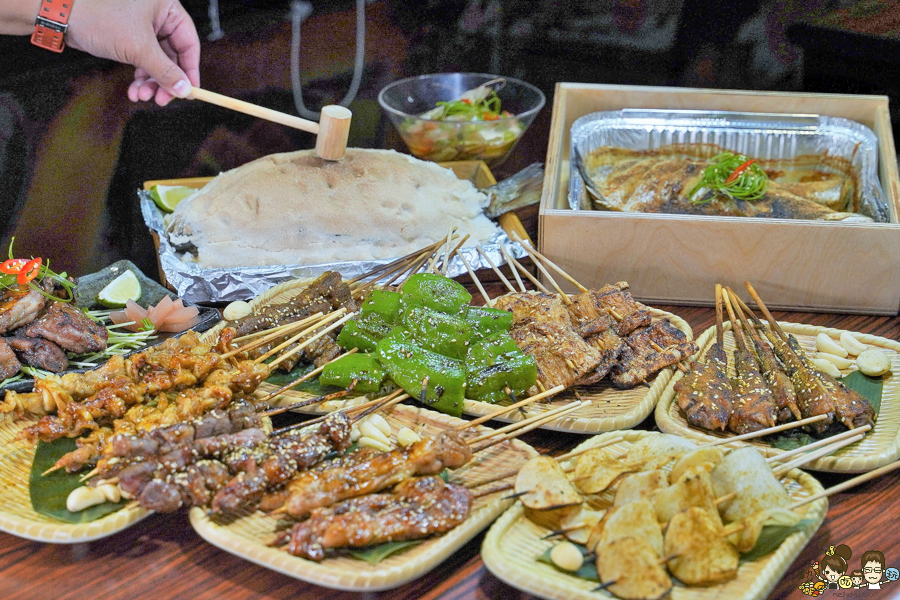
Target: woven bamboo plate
{"x":249,"y":536}
{"x":611,"y":408}
{"x":880,"y":446}
{"x":16,"y":515}
{"x":513,"y":544}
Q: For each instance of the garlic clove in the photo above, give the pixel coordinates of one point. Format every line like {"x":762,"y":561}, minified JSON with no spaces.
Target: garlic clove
{"x":407,"y":437}
{"x":824,"y":343}
{"x":827,"y":367}
{"x":873,"y":362}
{"x":236,"y":310}
{"x":368,"y":442}
{"x":567,"y":556}
{"x":851,"y":344}
{"x":382,"y":425}
{"x":367,"y":429}
{"x":839,"y":361}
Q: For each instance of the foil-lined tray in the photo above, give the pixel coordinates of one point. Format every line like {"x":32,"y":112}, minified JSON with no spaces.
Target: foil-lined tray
{"x":762,"y":136}
{"x":195,"y":284}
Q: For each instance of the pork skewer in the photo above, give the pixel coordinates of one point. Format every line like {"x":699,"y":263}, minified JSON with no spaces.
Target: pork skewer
{"x":778,"y":381}
{"x":753,"y":405}
{"x":705,"y":393}
{"x":817,"y":392}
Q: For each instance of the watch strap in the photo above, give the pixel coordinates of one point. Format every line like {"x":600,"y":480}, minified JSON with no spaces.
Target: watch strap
{"x":51,"y":24}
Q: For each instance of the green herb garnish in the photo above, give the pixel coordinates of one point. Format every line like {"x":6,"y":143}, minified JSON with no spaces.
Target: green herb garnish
{"x":734,"y":175}
{"x":485,"y":109}
{"x":375,"y":554}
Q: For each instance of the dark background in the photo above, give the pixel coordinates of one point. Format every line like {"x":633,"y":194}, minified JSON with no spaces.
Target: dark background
{"x":73,"y":150}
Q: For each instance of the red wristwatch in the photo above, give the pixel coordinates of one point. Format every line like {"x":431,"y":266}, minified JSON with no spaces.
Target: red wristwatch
{"x":51,"y":24}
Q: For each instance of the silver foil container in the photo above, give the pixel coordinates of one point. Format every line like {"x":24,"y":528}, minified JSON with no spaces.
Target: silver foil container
{"x":194,"y":284}
{"x":763,"y":136}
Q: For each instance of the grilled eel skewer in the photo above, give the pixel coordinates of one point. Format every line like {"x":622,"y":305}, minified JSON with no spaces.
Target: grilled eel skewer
{"x":778,"y":381}
{"x":367,"y":471}
{"x":704,"y":393}
{"x":817,"y":392}
{"x":415,"y":508}
{"x":754,"y":405}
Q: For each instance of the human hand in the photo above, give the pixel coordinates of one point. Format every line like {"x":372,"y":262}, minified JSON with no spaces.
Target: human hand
{"x":158,"y":37}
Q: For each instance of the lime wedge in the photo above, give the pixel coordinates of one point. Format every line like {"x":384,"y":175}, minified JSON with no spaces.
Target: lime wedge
{"x":167,"y":197}
{"x":121,"y":289}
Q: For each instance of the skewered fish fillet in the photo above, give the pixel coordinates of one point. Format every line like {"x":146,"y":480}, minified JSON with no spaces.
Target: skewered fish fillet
{"x":704,"y":393}
{"x":542,"y":328}
{"x":597,"y":328}
{"x":649,"y":350}
{"x":69,"y":328}
{"x":366,"y":471}
{"x":415,"y":509}
{"x":753,"y":406}
{"x":283,"y":457}
{"x":614,"y":302}
{"x":641,"y":182}
{"x":779,"y":383}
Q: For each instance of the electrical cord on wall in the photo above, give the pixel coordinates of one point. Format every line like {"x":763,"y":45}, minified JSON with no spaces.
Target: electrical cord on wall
{"x":300,"y":11}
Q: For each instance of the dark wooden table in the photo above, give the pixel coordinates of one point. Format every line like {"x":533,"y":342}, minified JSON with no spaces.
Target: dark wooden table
{"x":162,"y":558}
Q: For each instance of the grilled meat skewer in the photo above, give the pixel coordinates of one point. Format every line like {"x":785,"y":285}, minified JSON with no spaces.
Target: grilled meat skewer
{"x":817,"y":393}
{"x":416,"y":508}
{"x":704,"y":393}
{"x":542,"y":328}
{"x":648,"y":351}
{"x":753,"y":407}
{"x":778,"y":381}
{"x":283,"y":458}
{"x":367,"y":471}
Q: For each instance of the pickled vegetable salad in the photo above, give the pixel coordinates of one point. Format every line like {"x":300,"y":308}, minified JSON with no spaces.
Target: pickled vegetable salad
{"x":429,"y":341}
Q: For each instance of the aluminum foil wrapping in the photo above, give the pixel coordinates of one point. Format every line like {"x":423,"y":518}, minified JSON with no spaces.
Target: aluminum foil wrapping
{"x":195,"y":284}
{"x":762,"y":136}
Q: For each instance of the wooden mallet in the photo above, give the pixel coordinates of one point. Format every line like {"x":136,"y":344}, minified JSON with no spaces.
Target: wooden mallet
{"x":331,"y":131}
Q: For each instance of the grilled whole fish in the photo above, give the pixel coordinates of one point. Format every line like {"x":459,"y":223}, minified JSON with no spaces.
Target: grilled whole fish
{"x":630,"y":181}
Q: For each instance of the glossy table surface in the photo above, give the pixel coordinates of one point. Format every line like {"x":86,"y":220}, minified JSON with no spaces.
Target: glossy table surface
{"x":162,"y":558}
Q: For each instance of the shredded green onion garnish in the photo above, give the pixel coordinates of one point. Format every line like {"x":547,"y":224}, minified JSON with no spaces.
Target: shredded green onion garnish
{"x":734,"y":175}
{"x":467,"y":110}
{"x":7,"y":280}
{"x":147,"y":323}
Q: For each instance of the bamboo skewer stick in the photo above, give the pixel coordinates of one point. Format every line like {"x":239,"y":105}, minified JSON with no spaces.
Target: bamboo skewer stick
{"x":508,"y":409}
{"x":515,"y":271}
{"x":496,"y":270}
{"x":528,"y":274}
{"x":848,"y":484}
{"x":393,"y":263}
{"x":533,"y":252}
{"x":824,"y":442}
{"x":277,"y":329}
{"x":487,"y":299}
{"x":720,"y":334}
{"x":306,"y":377}
{"x":307,"y":341}
{"x":546,"y":418}
{"x":269,"y":335}
{"x":326,"y":319}
{"x":766,"y":431}
{"x":563,"y":296}
{"x":783,"y":469}
{"x":303,"y":403}
{"x":559,"y":459}
{"x":375,"y":404}
{"x":525,"y":422}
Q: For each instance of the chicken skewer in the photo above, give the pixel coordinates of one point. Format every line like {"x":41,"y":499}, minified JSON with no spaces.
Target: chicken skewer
{"x":753,"y":405}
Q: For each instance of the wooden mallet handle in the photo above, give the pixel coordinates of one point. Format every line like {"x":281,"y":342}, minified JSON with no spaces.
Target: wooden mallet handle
{"x":331,"y":133}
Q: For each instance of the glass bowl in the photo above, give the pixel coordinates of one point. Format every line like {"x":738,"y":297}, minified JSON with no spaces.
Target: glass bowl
{"x":491,"y":141}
